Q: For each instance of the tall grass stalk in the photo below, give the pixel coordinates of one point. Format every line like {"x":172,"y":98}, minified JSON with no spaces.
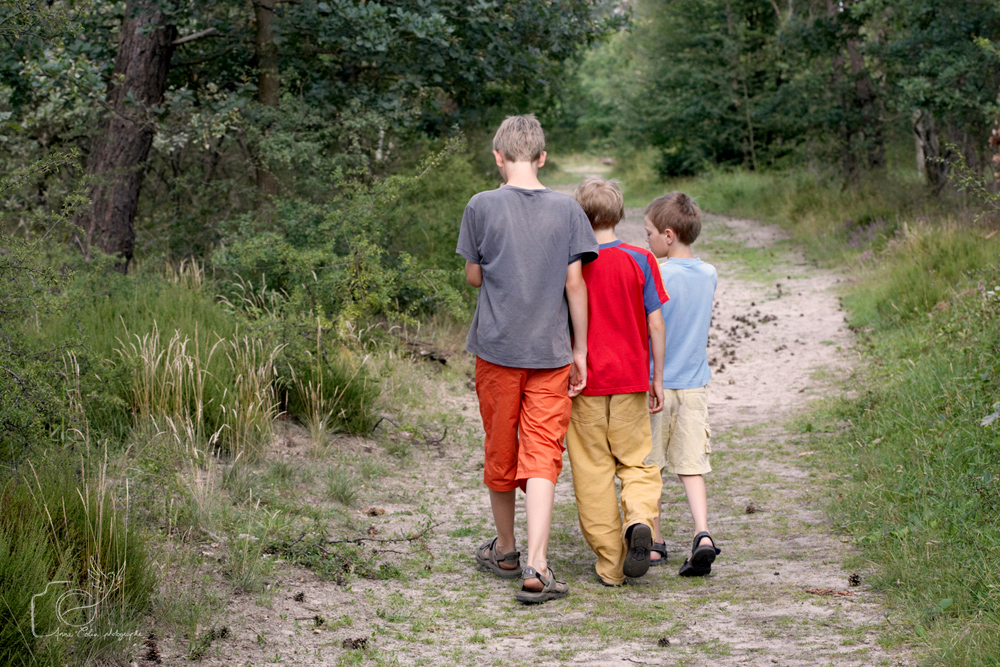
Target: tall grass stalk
{"x":169,"y":379}
{"x":247,"y":564}
{"x":318,"y":410}
{"x":250,"y":407}
{"x":177,"y":384}
{"x":255,"y":301}
{"x":109,"y":578}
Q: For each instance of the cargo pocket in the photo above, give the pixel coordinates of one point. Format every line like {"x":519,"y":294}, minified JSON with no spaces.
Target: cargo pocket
{"x":708,"y":439}
{"x":588,"y":410}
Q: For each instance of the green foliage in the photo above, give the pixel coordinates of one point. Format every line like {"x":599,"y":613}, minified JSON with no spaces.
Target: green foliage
{"x":918,"y":480}
{"x":424,"y":221}
{"x":27,"y":564}
{"x":30,"y":400}
{"x":714,"y":83}
{"x":334,"y":261}
{"x":933,"y":60}
{"x":923,"y":496}
{"x":114,"y":314}
{"x":834,"y":221}
{"x":60,"y":534}
{"x":920,"y":271}
{"x":706,"y":77}
{"x":325,"y":383}
{"x":341,"y":485}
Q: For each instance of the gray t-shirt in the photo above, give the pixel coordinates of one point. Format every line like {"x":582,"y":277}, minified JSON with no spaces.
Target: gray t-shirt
{"x":524,"y":240}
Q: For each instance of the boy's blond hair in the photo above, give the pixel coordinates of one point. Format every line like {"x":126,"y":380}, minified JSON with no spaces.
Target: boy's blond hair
{"x":520,"y":138}
{"x":678,"y":212}
{"x":602,"y":201}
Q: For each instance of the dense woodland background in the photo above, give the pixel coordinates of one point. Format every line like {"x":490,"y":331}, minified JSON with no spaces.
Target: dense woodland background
{"x":214,"y":213}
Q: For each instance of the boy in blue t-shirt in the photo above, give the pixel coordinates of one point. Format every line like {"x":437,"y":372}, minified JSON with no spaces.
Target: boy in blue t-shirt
{"x":680,"y":431}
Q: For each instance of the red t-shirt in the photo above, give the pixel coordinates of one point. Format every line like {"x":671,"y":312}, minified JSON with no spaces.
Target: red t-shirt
{"x":623,"y":287}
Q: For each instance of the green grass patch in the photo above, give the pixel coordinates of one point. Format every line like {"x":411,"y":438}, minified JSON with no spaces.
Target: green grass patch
{"x":916,"y":448}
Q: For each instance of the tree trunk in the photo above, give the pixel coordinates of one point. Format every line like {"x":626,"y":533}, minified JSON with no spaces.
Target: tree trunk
{"x":268,"y":82}
{"x":740,"y":81}
{"x":117,"y":164}
{"x":873,"y":134}
{"x":848,"y":164}
{"x":929,"y":148}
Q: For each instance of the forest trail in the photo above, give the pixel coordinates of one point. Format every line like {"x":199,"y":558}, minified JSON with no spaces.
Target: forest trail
{"x":779,"y":593}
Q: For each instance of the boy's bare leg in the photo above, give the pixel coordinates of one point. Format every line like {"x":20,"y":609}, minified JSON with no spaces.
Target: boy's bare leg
{"x":539,"y":498}
{"x":502,"y":503}
{"x":657,"y":534}
{"x":694,"y":487}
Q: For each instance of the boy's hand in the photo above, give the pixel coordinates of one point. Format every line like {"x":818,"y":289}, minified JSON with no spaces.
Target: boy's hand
{"x":577,"y":375}
{"x":655,"y":397}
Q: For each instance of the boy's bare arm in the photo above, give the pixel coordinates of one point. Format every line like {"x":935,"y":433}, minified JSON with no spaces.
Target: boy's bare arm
{"x":473,"y":274}
{"x":657,"y":342}
{"x":576,"y":295}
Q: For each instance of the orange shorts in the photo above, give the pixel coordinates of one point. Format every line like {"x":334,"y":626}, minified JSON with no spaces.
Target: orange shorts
{"x":525,"y":415}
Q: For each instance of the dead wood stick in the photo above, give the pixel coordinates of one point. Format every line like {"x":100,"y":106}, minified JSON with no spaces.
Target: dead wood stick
{"x":383,"y":540}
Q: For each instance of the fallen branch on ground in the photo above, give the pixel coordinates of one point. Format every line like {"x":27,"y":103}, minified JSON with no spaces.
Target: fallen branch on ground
{"x":409,"y":538}
{"x":832,"y":592}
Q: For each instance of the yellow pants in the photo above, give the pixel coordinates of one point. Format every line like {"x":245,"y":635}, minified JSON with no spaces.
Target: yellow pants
{"x":608,"y":436}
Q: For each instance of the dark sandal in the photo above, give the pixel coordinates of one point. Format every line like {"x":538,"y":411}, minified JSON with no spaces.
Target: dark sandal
{"x":702,"y":557}
{"x":551,"y":589}
{"x":659,"y":548}
{"x":640,"y":541}
{"x":490,"y":560}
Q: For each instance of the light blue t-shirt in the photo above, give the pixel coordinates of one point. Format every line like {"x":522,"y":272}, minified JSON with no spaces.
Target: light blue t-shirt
{"x":687,"y":315}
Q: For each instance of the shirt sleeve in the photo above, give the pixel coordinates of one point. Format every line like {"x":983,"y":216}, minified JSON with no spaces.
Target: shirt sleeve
{"x":582,"y":242}
{"x":468,"y":246}
{"x":653,"y":293}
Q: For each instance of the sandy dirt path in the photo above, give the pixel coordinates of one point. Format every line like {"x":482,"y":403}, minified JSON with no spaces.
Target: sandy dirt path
{"x":778,"y":342}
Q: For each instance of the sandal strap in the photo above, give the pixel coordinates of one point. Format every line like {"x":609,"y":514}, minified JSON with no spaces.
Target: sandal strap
{"x":548,"y":583}
{"x":698,"y":538}
{"x":511,"y":557}
{"x":531,"y":573}
{"x":659,"y":547}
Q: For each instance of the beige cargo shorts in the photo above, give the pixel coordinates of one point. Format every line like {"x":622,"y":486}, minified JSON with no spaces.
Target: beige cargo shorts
{"x":681,"y":437}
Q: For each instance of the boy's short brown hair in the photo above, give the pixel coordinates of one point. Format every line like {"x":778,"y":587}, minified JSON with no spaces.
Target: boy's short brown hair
{"x":520,"y":138}
{"x":602,"y":201}
{"x":678,"y":212}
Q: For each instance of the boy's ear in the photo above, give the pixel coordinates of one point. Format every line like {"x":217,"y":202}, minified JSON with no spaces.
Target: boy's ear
{"x":499,"y":158}
{"x":541,"y":159}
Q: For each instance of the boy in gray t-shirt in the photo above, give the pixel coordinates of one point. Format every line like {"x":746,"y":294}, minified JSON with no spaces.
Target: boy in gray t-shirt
{"x":524,"y":247}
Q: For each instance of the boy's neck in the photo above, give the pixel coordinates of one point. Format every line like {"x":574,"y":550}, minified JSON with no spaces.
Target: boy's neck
{"x":679,"y":251}
{"x":523,"y":175}
{"x":606,"y":235}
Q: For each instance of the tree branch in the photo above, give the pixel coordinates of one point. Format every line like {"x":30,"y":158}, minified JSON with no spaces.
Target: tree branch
{"x":195,"y":35}
{"x":410,"y":538}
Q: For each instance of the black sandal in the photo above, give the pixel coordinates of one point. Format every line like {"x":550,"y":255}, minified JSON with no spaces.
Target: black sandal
{"x":640,"y":541}
{"x":702,"y":557}
{"x":660,"y":548}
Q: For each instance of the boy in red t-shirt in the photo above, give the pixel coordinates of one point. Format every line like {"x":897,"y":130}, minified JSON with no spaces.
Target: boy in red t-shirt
{"x":609,"y":432}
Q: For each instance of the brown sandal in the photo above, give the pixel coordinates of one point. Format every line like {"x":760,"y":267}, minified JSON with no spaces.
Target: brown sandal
{"x":490,"y":560}
{"x":551,"y":589}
